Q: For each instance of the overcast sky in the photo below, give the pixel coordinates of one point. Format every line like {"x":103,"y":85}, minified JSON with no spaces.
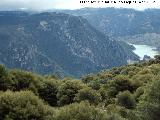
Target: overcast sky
{"x":68,"y":4}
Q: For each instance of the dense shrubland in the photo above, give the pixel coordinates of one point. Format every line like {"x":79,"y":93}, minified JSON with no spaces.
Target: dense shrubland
{"x":129,"y":92}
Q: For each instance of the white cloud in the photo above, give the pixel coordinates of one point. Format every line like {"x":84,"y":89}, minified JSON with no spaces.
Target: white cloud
{"x":67,"y":4}
{"x":29,"y":4}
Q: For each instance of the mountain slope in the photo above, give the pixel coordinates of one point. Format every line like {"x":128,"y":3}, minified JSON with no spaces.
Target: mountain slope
{"x":121,"y":22}
{"x":55,"y":42}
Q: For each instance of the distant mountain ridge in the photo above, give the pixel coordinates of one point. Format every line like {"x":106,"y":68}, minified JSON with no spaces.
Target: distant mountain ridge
{"x":129,"y":25}
{"x":121,"y":21}
{"x":56,"y":42}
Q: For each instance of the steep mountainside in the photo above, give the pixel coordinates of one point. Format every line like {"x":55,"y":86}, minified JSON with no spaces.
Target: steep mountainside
{"x":121,"y":22}
{"x":138,"y":27}
{"x":55,"y":42}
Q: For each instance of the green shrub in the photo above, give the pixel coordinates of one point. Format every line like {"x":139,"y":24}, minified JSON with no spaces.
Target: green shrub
{"x":94,"y":84}
{"x":5,"y":79}
{"x":22,"y":80}
{"x":126,"y":99}
{"x":23,"y":105}
{"x":48,"y":91}
{"x":149,"y":105}
{"x":67,"y":91}
{"x":88,"y":78}
{"x":89,"y":94}
{"x":83,"y":111}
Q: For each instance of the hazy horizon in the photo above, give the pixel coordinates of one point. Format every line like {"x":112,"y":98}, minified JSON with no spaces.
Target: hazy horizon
{"x":70,"y":4}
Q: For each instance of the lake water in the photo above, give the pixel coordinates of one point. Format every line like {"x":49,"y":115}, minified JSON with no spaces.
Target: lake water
{"x":142,"y":50}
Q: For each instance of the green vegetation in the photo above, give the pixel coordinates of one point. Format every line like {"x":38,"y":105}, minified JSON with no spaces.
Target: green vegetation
{"x":130,"y":92}
{"x":23,"y":105}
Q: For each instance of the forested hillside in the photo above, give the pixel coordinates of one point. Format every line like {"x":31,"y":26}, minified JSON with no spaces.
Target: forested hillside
{"x":130,"y":92}
{"x":57,"y":43}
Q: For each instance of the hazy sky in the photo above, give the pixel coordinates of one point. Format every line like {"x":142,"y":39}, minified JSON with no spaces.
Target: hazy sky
{"x":69,"y":4}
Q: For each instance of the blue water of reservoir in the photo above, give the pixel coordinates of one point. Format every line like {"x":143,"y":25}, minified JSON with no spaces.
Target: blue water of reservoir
{"x":142,"y":50}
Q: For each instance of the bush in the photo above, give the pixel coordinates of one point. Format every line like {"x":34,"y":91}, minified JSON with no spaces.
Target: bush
{"x":88,"y":78}
{"x":126,"y":99}
{"x":48,"y":91}
{"x":94,"y":84}
{"x":23,"y":105}
{"x":22,"y":80}
{"x":149,"y":105}
{"x":119,"y":84}
{"x":88,"y":94}
{"x":5,"y":79}
{"x":67,"y":91}
{"x":82,"y":111}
